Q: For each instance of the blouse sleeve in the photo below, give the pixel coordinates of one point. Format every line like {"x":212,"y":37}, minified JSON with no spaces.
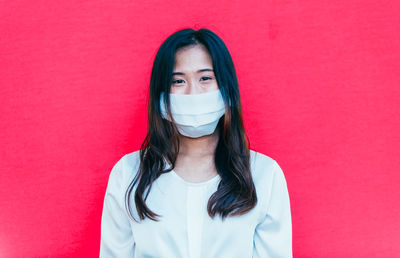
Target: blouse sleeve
{"x":116,"y":234}
{"x":273,"y":235}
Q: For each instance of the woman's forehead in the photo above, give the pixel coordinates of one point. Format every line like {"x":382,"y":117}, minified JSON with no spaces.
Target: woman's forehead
{"x":193,"y":58}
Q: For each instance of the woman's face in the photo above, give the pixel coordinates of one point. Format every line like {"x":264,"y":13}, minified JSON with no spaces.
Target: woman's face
{"x":193,"y":72}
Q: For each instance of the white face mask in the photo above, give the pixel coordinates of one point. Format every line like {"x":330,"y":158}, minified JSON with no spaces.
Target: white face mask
{"x":195,"y":115}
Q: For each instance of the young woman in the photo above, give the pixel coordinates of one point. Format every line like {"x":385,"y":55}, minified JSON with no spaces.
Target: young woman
{"x":195,"y":189}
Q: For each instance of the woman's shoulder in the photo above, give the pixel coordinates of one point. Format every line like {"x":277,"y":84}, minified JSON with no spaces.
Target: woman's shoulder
{"x":132,"y":159}
{"x":125,"y":168}
{"x":129,"y":160}
{"x":268,"y":179}
{"x":263,"y":167}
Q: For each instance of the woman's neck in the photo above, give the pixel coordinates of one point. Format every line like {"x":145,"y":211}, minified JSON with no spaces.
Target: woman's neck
{"x":198,"y":147}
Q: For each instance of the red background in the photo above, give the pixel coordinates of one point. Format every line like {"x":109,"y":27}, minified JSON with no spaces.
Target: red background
{"x":319,"y":82}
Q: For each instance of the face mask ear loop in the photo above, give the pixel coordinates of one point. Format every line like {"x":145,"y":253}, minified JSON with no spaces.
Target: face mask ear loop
{"x":167,"y":103}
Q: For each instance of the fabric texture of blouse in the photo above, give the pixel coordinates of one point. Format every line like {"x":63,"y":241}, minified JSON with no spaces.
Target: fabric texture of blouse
{"x":185,"y":230}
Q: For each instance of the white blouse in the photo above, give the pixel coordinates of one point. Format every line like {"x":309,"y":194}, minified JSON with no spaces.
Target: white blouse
{"x":185,"y":229}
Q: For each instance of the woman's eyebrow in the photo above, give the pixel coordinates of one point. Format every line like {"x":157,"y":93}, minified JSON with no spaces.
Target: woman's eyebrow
{"x":199,"y":71}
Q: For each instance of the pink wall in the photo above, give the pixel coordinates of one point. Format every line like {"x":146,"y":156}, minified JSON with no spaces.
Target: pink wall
{"x":320,"y":90}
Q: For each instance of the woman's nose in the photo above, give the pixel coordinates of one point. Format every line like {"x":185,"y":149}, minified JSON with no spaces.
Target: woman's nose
{"x":193,"y":87}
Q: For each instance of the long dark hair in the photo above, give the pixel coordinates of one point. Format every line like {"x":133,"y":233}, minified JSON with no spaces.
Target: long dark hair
{"x":236,"y":192}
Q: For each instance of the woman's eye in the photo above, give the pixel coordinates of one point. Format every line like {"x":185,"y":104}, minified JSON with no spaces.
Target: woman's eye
{"x":206,"y":78}
{"x":177,"y":81}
